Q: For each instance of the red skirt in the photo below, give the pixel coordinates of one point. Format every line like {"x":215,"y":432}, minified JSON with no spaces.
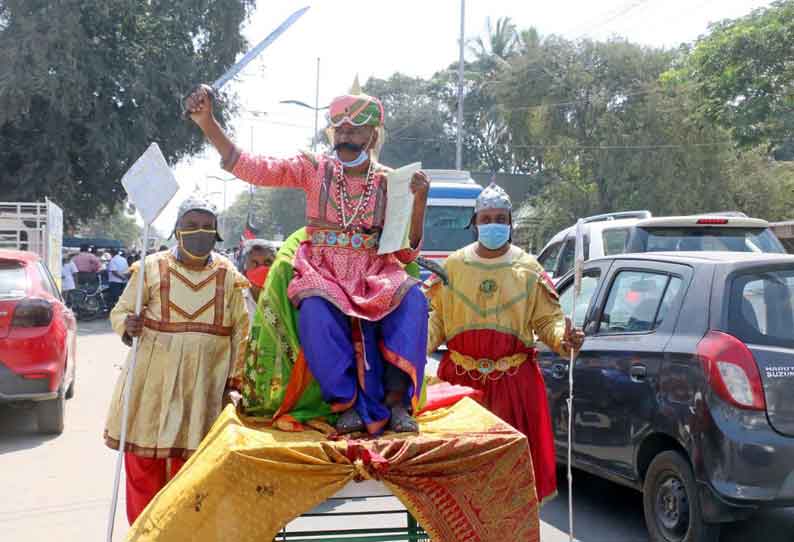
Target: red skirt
{"x":517,"y":397}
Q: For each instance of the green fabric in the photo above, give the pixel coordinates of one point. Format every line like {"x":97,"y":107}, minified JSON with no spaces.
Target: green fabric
{"x":274,"y":345}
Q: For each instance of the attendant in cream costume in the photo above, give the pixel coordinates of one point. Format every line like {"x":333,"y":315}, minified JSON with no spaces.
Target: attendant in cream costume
{"x":497,"y":302}
{"x":193,"y":330}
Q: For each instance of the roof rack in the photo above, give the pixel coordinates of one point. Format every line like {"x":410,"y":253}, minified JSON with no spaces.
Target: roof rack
{"x":618,"y":216}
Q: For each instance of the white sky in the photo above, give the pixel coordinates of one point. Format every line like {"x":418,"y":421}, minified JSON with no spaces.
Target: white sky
{"x":415,"y":37}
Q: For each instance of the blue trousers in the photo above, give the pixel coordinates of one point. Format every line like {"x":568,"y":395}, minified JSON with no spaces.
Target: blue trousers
{"x":357,"y":362}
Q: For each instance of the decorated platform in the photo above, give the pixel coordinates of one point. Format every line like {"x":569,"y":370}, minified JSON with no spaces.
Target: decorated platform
{"x":467,"y":476}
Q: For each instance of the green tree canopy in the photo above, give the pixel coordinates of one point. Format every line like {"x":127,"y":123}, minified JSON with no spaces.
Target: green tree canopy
{"x":116,"y":225}
{"x":86,"y":85}
{"x":272,"y":210}
{"x":743,"y":73}
{"x":417,"y":121}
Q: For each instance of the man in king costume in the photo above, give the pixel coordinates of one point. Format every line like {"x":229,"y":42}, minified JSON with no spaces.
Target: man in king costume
{"x":497,"y":301}
{"x":362,"y":320}
{"x":193,"y":331}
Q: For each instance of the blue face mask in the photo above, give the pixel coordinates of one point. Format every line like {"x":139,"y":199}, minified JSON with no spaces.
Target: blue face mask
{"x":493,"y":236}
{"x":362,"y":157}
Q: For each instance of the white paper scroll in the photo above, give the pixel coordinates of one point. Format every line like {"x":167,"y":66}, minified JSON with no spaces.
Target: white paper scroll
{"x":399,"y":206}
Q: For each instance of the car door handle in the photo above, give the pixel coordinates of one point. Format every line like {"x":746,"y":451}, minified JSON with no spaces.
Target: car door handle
{"x":559,"y":370}
{"x":638,"y":373}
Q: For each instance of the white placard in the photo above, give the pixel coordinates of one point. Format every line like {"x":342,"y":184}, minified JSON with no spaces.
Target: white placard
{"x":150,"y":183}
{"x":399,"y":207}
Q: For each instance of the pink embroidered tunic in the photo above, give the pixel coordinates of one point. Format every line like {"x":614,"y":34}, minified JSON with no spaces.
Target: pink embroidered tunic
{"x":342,"y":267}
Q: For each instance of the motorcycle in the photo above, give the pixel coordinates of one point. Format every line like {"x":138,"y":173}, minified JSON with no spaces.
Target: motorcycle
{"x":91,"y":302}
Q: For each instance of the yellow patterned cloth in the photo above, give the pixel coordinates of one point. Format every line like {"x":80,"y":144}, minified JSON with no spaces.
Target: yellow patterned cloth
{"x":192,"y":347}
{"x":466,"y":477}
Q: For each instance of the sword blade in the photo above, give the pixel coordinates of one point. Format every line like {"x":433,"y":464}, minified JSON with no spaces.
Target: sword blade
{"x":261,"y":46}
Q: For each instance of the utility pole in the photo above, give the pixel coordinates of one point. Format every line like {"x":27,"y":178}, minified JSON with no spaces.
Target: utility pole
{"x":316,"y":107}
{"x":459,"y":150}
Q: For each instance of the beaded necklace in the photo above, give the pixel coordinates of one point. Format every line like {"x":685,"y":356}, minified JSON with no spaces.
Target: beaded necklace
{"x":344,"y":197}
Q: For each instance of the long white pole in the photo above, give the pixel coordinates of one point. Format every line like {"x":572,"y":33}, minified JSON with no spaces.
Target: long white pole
{"x":577,"y":289}
{"x":128,"y":388}
{"x":223,"y":215}
{"x":459,"y":148}
{"x":570,"y":428}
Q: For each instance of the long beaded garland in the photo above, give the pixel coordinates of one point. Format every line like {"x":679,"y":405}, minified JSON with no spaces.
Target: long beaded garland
{"x":344,"y":196}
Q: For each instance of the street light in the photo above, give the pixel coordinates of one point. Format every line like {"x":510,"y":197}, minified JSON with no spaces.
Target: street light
{"x":316,"y":107}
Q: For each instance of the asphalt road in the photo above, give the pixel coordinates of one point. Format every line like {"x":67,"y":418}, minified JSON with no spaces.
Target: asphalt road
{"x":59,"y":488}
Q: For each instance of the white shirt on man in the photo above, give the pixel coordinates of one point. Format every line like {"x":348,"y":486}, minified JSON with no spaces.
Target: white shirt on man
{"x":118,"y":264}
{"x":68,"y":271}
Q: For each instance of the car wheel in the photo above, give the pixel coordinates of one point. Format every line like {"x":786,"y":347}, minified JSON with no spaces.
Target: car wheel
{"x":670,"y":501}
{"x":70,"y":391}
{"x":50,"y":415}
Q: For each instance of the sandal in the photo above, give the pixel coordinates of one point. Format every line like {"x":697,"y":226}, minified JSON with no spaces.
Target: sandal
{"x":349,"y":422}
{"x":401,"y":421}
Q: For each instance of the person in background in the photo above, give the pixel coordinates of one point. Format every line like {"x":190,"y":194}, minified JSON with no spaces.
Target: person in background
{"x":118,"y":273}
{"x":104,"y":275}
{"x":88,"y":265}
{"x":162,"y":248}
{"x":257,"y":264}
{"x":68,"y":273}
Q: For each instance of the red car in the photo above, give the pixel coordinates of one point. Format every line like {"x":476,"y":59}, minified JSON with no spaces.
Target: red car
{"x":37,"y":339}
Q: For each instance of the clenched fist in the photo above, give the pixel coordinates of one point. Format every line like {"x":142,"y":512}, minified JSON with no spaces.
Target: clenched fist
{"x":199,"y":105}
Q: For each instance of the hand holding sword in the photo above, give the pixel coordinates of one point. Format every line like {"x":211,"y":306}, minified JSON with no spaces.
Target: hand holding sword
{"x":198,"y":105}
{"x":573,"y":338}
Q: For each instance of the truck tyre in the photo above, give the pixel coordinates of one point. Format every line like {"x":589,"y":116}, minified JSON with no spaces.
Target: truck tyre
{"x":50,"y":415}
{"x":670,"y":502}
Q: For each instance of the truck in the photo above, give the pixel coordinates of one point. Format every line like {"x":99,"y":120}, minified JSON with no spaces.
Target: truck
{"x":34,"y":227}
{"x":450,"y":207}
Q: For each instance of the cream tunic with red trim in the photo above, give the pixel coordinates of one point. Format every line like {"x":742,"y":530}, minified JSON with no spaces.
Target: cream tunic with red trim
{"x":357,"y":281}
{"x":193,"y":343}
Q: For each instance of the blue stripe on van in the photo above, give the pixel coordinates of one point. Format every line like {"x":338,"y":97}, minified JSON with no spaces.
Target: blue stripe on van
{"x":460,"y":191}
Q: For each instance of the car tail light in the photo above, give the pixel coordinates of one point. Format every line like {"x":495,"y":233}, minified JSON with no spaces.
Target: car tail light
{"x":32,"y":313}
{"x":712,"y":221}
{"x":35,"y":376}
{"x":731,"y":370}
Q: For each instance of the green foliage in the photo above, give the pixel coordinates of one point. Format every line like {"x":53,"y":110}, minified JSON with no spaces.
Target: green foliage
{"x":744,"y":76}
{"x":117,"y":225}
{"x":86,"y":85}
{"x":417,"y":121}
{"x":273,"y":210}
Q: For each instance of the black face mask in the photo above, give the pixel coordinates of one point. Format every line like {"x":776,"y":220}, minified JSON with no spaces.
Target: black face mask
{"x":197,"y":243}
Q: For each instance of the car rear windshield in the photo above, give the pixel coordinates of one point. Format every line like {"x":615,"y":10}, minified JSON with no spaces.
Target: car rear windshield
{"x":614,"y":241}
{"x":13,"y":280}
{"x":709,"y":238}
{"x":761,"y":307}
{"x":446,"y":228}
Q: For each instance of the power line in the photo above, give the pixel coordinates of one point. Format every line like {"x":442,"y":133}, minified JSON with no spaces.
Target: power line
{"x":612,"y":17}
{"x":582,"y":147}
{"x":571,"y":102}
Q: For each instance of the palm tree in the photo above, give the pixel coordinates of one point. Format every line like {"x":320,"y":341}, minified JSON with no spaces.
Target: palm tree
{"x":500,"y":43}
